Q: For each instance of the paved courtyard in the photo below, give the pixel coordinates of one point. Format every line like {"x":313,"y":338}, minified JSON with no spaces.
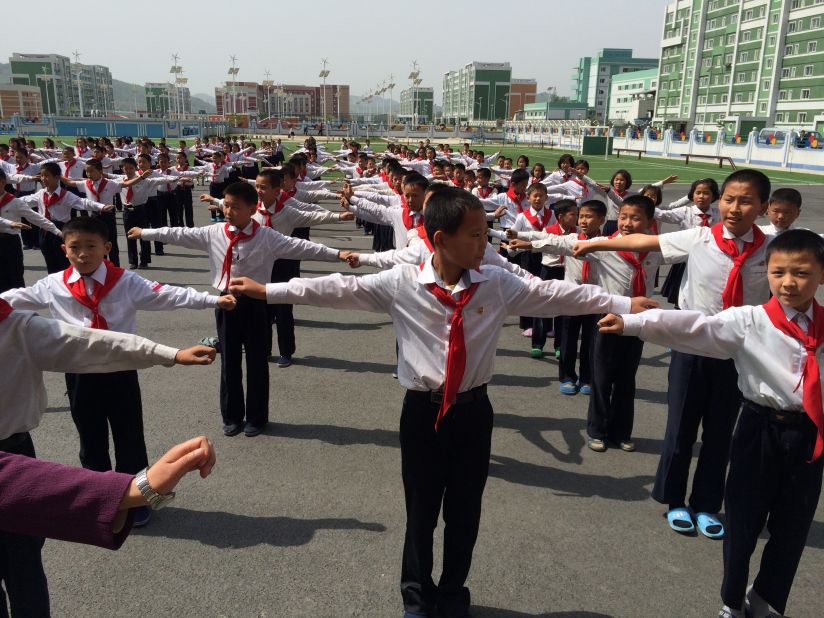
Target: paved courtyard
{"x":308,"y":519}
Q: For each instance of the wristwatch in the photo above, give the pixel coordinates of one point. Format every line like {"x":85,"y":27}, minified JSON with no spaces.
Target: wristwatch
{"x":156,"y":501}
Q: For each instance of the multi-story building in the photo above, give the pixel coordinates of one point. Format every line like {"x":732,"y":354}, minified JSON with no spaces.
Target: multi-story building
{"x":555,"y":110}
{"x":22,"y":101}
{"x":282,"y":100}
{"x":240,"y":98}
{"x":417,"y":104}
{"x":94,"y":81}
{"x":165,"y":100}
{"x":632,"y":96}
{"x":521,"y":92}
{"x":477,"y":91}
{"x":742,"y":64}
{"x":49,"y":72}
{"x":593,"y":76}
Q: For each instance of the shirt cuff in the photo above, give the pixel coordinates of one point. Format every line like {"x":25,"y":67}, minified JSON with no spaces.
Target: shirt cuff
{"x":165,"y":355}
{"x":147,"y":234}
{"x":632,"y":324}
{"x":211,"y":301}
{"x":620,"y":304}
{"x":276,"y":293}
{"x":367,"y":259}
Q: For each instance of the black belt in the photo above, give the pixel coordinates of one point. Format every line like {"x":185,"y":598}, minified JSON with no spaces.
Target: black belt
{"x":473,"y":394}
{"x":13,"y":440}
{"x":783,"y":417}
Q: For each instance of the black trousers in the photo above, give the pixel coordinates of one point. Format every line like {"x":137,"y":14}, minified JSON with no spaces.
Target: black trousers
{"x":770,"y":482}
{"x":169,"y":211}
{"x":702,"y":392}
{"x":541,"y":326}
{"x":21,"y":567}
{"x":612,"y":402}
{"x":183,"y":196}
{"x":449,"y":466}
{"x":282,"y":315}
{"x":31,"y":238}
{"x":135,"y":216}
{"x":216,"y":190}
{"x":11,"y":262}
{"x":102,"y":400}
{"x":110,"y":219}
{"x":50,"y":244}
{"x":242,"y":331}
{"x":571,"y":327}
{"x":156,"y":218}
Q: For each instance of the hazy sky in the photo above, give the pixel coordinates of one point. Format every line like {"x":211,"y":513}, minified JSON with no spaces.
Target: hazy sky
{"x":363,"y":41}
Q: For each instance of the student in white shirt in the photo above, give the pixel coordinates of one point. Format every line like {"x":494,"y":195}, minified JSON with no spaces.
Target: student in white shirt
{"x":776,"y":455}
{"x":237,"y":248}
{"x":451,"y":303}
{"x":32,"y":345}
{"x":96,"y":293}
{"x":783,"y":210}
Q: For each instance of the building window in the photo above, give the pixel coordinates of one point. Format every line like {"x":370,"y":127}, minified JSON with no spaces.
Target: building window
{"x":739,"y":97}
{"x":765,"y":85}
{"x":731,"y":39}
{"x":771,"y":40}
{"x":782,"y":95}
{"x":802,"y":116}
{"x":779,"y":117}
{"x":723,"y":98}
{"x":812,"y":46}
{"x":805,"y":93}
{"x":744,"y":56}
{"x":815,"y":23}
{"x":763,"y":107}
{"x":768,"y":64}
{"x":788,"y":50}
{"x":791,"y":26}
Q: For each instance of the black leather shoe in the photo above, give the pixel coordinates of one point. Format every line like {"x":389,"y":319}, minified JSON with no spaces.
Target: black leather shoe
{"x":252,"y":430}
{"x":232,"y":429}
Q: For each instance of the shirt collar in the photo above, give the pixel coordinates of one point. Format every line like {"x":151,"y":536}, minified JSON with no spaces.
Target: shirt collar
{"x":429,"y":275}
{"x":98,"y":275}
{"x":246,"y":230}
{"x":790,"y":312}
{"x":729,"y":235}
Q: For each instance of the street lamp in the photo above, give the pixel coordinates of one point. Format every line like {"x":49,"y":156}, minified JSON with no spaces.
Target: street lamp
{"x":77,"y":74}
{"x":268,"y":83}
{"x":324,"y":73}
{"x":391,"y":87}
{"x":176,"y":70}
{"x":233,"y":71}
{"x":414,"y":78}
{"x":46,"y":77}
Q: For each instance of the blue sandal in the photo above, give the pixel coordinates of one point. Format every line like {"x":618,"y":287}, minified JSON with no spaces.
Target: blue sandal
{"x":709,"y":525}
{"x":680,"y":520}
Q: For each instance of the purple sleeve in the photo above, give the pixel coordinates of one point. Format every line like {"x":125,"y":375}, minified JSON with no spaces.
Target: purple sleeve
{"x":41,"y":498}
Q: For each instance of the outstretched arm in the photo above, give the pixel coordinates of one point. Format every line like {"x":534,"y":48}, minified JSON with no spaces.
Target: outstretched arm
{"x":642,"y":243}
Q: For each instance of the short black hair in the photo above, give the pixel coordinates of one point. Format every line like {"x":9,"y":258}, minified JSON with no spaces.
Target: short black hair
{"x":790,"y":197}
{"x":94,"y":163}
{"x":243,"y":191}
{"x":596,"y":206}
{"x":459,"y":166}
{"x":445,"y":210}
{"x":519,"y":175}
{"x":751,"y":177}
{"x":566,"y":158}
{"x":129,"y":161}
{"x":485,"y":172}
{"x":52,"y":168}
{"x":583,"y":162}
{"x":414,"y":178}
{"x":655,"y":190}
{"x":796,"y":241}
{"x":562,"y":207}
{"x":710,"y":182}
{"x":525,"y":158}
{"x":536,"y":186}
{"x":627,"y":177}
{"x":87,"y":225}
{"x":274,"y":177}
{"x":643,"y":202}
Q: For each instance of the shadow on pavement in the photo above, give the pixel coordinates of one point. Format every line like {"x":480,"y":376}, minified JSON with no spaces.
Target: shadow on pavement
{"x":322,"y":362}
{"x":533,"y":427}
{"x":341,"y":325}
{"x":573,"y":484}
{"x":334,"y":434}
{"x":494,"y":612}
{"x":230,"y":530}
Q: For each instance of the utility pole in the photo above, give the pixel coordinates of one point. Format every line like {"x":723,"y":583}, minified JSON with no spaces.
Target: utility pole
{"x":233,"y":72}
{"x":77,"y":73}
{"x":324,"y":73}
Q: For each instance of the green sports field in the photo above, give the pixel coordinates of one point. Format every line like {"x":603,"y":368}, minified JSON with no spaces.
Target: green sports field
{"x":647,"y":170}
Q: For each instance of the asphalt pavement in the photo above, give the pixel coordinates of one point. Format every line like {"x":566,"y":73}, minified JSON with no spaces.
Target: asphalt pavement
{"x":308,"y":518}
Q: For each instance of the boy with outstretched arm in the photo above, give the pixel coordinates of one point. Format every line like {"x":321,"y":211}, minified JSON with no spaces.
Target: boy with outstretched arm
{"x":241,"y":247}
{"x":448,"y":314}
{"x":776,"y":455}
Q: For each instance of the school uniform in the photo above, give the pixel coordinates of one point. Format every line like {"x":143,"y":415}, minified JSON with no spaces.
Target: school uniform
{"x":57,"y":207}
{"x":397,"y":217}
{"x":36,"y":344}
{"x":576,"y":271}
{"x":615,"y":359}
{"x":250,"y":252}
{"x":184,"y":210}
{"x":104,"y":192}
{"x":11,"y":252}
{"x":108,"y":299}
{"x":515,"y":204}
{"x":134,"y":199}
{"x":702,"y":390}
{"x":31,"y":237}
{"x":446,"y":420}
{"x":76,"y":170}
{"x":219,"y":179}
{"x":775,"y":459}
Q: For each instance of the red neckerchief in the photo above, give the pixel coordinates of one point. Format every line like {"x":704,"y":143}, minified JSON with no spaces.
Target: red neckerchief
{"x":705,"y":219}
{"x":733,"y":294}
{"x":234,"y":239}
{"x":585,"y":267}
{"x":421,"y":230}
{"x":639,"y":275}
{"x":101,"y":186}
{"x":538,"y":224}
{"x":518,"y":198}
{"x":620,"y":194}
{"x":69,"y":166}
{"x":5,"y":309}
{"x":485,"y":192}
{"x":455,"y":182}
{"x":7,"y":197}
{"x":280,"y":203}
{"x":182,"y":168}
{"x":166,"y":173}
{"x":456,"y":352}
{"x":80,"y":293}
{"x":556,"y":230}
{"x":584,"y":188}
{"x":359,"y":171}
{"x":20,"y":171}
{"x":408,"y":215}
{"x":51,"y":200}
{"x":810,"y":375}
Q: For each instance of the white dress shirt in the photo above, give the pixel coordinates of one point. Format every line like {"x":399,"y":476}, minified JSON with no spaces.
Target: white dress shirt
{"x":769,"y":363}
{"x":142,"y":190}
{"x":251,"y":258}
{"x":119,"y":307}
{"x":492,"y":203}
{"x":17,"y":209}
{"x":422,"y":321}
{"x":386,"y":215}
{"x":30,"y":169}
{"x":33,"y":344}
{"x":550,"y":260}
{"x":288,"y":218}
{"x":104,"y":196}
{"x":573,"y":267}
{"x":687,"y":217}
{"x":62,"y":210}
{"x":708,"y":269}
